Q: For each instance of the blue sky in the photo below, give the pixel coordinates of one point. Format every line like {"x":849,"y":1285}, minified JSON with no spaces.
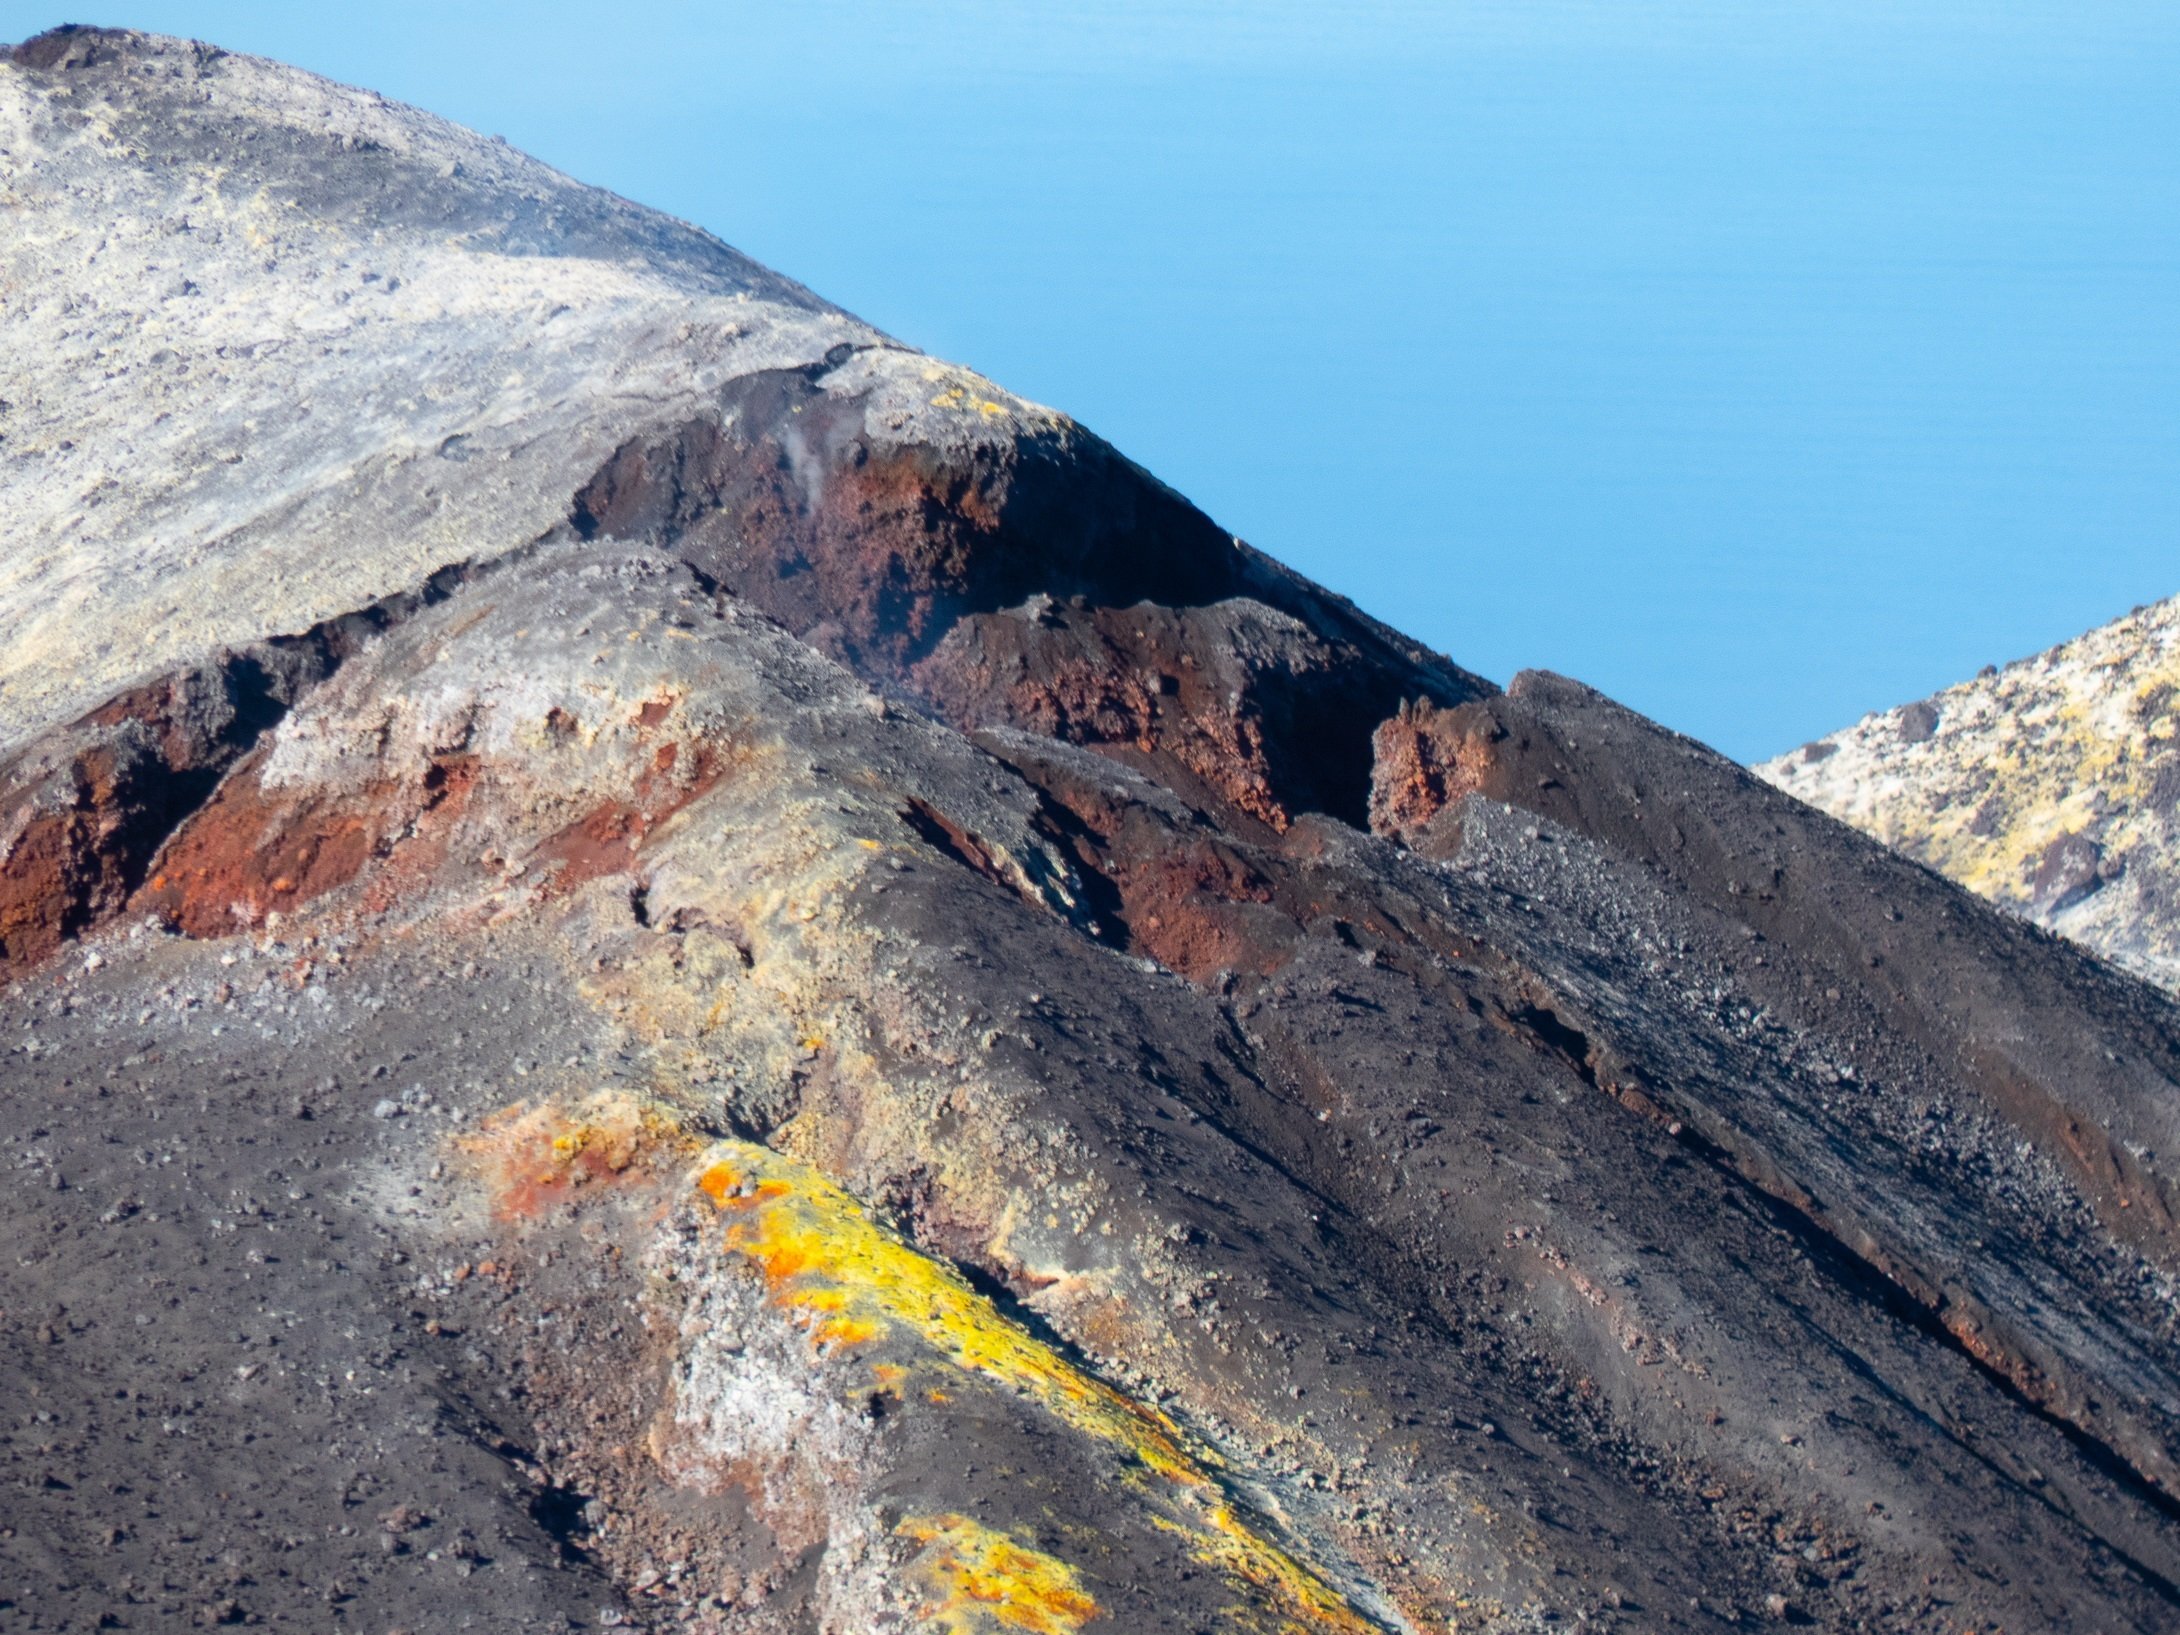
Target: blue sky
{"x":1760,"y":364}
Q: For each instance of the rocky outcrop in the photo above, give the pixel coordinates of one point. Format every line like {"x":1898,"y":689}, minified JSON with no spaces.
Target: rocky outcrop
{"x":2049,"y":786}
{"x":1016,"y":570}
{"x":726,"y":979}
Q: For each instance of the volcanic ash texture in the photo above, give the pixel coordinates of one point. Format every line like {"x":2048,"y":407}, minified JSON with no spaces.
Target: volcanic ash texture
{"x":669,"y":964}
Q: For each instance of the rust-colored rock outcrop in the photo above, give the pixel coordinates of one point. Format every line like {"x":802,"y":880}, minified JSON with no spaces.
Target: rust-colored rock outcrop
{"x":84,"y":808}
{"x":1030,"y":578}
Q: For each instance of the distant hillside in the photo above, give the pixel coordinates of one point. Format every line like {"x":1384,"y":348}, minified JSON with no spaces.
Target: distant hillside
{"x":2051,"y":786}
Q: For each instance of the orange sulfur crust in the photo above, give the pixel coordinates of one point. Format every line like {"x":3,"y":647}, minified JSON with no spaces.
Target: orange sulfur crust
{"x":850,"y":1282}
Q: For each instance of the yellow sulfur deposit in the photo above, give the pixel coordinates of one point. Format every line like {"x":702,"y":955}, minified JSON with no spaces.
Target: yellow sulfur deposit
{"x":851,"y":1282}
{"x":977,"y":1581}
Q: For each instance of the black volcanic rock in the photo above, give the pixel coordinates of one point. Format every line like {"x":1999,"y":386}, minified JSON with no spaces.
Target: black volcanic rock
{"x":670,"y":964}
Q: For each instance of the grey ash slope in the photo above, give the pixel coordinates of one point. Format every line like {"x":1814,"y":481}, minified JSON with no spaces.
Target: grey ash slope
{"x":247,"y":308}
{"x":669,"y":958}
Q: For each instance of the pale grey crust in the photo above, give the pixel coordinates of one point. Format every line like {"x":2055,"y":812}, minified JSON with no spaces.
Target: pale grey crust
{"x":272,"y":349}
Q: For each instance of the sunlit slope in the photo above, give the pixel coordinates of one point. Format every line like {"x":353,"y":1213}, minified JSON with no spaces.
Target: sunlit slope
{"x":2051,"y":786}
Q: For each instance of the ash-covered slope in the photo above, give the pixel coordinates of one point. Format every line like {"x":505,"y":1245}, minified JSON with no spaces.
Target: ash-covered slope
{"x":2051,"y":786}
{"x":670,"y":964}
